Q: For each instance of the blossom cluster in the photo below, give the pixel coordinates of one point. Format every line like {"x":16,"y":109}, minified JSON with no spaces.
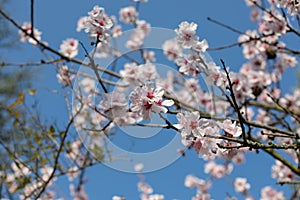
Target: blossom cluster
{"x":218,"y":122}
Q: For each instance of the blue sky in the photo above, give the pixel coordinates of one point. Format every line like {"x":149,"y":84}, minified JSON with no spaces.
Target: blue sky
{"x":57,"y":21}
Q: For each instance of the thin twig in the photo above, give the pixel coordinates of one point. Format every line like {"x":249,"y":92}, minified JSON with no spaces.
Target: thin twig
{"x":236,"y":107}
{"x":32,"y":17}
{"x":94,"y":67}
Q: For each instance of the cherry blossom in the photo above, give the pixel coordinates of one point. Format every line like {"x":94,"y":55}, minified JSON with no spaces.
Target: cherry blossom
{"x":73,"y":172}
{"x":128,"y":14}
{"x":146,"y":99}
{"x":24,"y":37}
{"x":251,"y":46}
{"x":74,"y":152}
{"x":281,"y":172}
{"x":273,"y":24}
{"x":128,"y":118}
{"x":201,"y":46}
{"x":78,"y":194}
{"x":46,"y":172}
{"x":20,"y":169}
{"x":255,"y":15}
{"x":230,"y":127}
{"x":189,"y":64}
{"x":69,"y":47}
{"x":241,"y":185}
{"x":149,"y":56}
{"x":118,"y":198}
{"x":191,"y":124}
{"x":140,"y":32}
{"x":136,"y":74}
{"x":215,"y":75}
{"x":63,"y":75}
{"x":139,"y":167}
{"x":117,"y":31}
{"x":142,"y":1}
{"x":171,"y":49}
{"x":82,"y":23}
{"x":292,"y":6}
{"x":87,"y":85}
{"x":114,"y":104}
{"x":269,"y":114}
{"x":144,"y":188}
{"x":166,"y":83}
{"x":186,"y":34}
{"x":144,"y":26}
{"x":201,"y":185}
{"x":98,"y":23}
{"x":268,"y":193}
{"x":216,"y":170}
{"x":130,"y":73}
{"x":152,"y":197}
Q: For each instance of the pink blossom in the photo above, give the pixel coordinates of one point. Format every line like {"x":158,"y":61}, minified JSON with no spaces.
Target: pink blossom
{"x":146,"y":99}
{"x":292,"y":6}
{"x":191,"y":124}
{"x":217,"y":171}
{"x":188,"y":65}
{"x":81,"y":23}
{"x":273,"y":24}
{"x":130,"y":73}
{"x":149,"y":56}
{"x":118,"y":198}
{"x":117,"y":31}
{"x":215,"y":75}
{"x":139,"y":167}
{"x":74,"y":152}
{"x":128,"y":118}
{"x":192,"y":181}
{"x":171,"y":49}
{"x":285,"y":61}
{"x":166,"y":83}
{"x":72,"y":173}
{"x":251,"y":46}
{"x":147,"y":71}
{"x":63,"y":75}
{"x":239,"y":158}
{"x":98,"y":23}
{"x":24,"y":37}
{"x":144,"y":26}
{"x":201,"y":46}
{"x":69,"y":47}
{"x":142,"y":1}
{"x":201,"y":185}
{"x":282,"y":172}
{"x":144,"y":188}
{"x":156,"y":197}
{"x":46,"y":172}
{"x":255,"y":15}
{"x":135,"y":74}
{"x":241,"y":185}
{"x":186,"y":34}
{"x":114,"y":104}
{"x":103,"y":50}
{"x":128,"y":14}
{"x":230,"y":127}
{"x":268,"y":193}
{"x":87,"y":85}
{"x":241,"y":88}
{"x":80,"y":194}
{"x":136,"y":40}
